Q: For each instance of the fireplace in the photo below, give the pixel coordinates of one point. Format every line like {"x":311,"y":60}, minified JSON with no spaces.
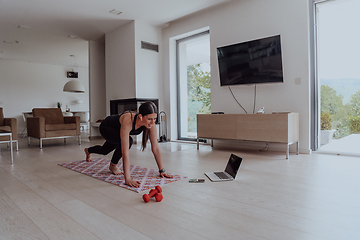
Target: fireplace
{"x":133,"y":104}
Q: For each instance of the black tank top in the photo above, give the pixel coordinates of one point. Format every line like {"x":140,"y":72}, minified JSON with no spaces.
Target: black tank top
{"x":114,"y":121}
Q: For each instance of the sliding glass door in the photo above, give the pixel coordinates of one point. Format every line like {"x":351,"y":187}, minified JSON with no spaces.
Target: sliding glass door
{"x":338,"y":75}
{"x":193,"y":82}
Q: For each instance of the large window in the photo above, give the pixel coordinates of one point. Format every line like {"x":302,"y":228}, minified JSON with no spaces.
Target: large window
{"x":338,"y":75}
{"x":193,"y":82}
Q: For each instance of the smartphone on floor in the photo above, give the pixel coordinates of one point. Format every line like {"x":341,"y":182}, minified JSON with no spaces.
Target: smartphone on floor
{"x":196,"y":180}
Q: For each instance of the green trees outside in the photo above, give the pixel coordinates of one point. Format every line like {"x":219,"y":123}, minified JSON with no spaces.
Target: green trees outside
{"x":354,"y":118}
{"x":330,"y":100}
{"x":345,"y":118}
{"x":355,"y":104}
{"x":199,"y":98}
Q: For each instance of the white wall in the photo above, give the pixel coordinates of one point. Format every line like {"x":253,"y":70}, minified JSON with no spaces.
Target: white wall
{"x":239,"y":21}
{"x":97,"y":84}
{"x":26,"y":85}
{"x":148,"y":63}
{"x":120,"y":64}
{"x":132,"y":72}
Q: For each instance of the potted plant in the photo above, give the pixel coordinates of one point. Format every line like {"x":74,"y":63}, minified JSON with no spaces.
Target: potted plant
{"x":326,"y":133}
{"x":59,"y":104}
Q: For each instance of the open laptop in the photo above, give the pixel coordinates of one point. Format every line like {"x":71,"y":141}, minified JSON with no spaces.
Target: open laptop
{"x":230,"y":172}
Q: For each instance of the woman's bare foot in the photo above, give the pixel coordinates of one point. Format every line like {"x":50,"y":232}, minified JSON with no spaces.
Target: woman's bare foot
{"x":88,"y":156}
{"x":115,"y":169}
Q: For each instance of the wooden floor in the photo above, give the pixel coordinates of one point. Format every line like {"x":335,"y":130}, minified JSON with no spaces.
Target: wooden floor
{"x":306,"y":197}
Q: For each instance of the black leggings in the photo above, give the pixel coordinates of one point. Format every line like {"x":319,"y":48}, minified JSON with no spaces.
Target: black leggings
{"x":113,"y":141}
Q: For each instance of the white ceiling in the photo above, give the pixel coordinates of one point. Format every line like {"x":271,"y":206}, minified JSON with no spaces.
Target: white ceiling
{"x":50,"y":23}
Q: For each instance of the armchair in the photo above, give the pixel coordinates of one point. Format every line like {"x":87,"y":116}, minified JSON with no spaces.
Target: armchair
{"x":49,"y":123}
{"x":8,"y":125}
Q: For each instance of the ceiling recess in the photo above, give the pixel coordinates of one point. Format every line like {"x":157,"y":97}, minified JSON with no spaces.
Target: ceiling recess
{"x":10,"y":42}
{"x":23,"y":27}
{"x":116,"y":12}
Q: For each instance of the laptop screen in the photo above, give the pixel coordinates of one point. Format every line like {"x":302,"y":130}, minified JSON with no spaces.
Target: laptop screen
{"x":233,"y":165}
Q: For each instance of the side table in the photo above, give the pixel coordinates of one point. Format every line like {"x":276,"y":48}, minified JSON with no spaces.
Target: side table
{"x":11,"y":148}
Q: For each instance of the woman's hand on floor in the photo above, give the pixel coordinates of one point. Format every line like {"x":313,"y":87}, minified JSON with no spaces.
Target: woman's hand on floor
{"x":132,"y":183}
{"x":167,"y":175}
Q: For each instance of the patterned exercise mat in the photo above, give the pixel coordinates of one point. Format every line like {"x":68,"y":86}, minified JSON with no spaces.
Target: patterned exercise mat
{"x":99,"y":169}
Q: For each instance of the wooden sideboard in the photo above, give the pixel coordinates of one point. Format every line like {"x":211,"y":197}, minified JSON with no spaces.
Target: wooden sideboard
{"x":270,"y":128}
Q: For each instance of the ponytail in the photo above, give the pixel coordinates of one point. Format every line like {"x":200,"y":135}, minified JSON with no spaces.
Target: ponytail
{"x":145,"y":109}
{"x":145,"y":138}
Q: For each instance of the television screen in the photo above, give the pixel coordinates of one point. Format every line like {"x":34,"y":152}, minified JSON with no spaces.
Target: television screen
{"x":252,"y":62}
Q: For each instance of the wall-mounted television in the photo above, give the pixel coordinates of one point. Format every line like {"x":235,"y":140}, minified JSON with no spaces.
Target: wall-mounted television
{"x":251,"y":62}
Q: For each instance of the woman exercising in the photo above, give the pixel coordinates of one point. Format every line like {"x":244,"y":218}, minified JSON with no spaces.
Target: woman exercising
{"x":116,"y":129}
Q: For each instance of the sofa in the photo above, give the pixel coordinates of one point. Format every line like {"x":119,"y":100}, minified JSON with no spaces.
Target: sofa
{"x":49,"y":123}
{"x":8,"y":125}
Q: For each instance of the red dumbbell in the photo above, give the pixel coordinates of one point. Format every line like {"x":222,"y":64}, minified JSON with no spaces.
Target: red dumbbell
{"x":154,"y":193}
{"x":159,"y":197}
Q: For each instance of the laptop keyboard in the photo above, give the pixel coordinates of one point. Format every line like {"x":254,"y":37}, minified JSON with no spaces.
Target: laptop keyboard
{"x":221,"y":175}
